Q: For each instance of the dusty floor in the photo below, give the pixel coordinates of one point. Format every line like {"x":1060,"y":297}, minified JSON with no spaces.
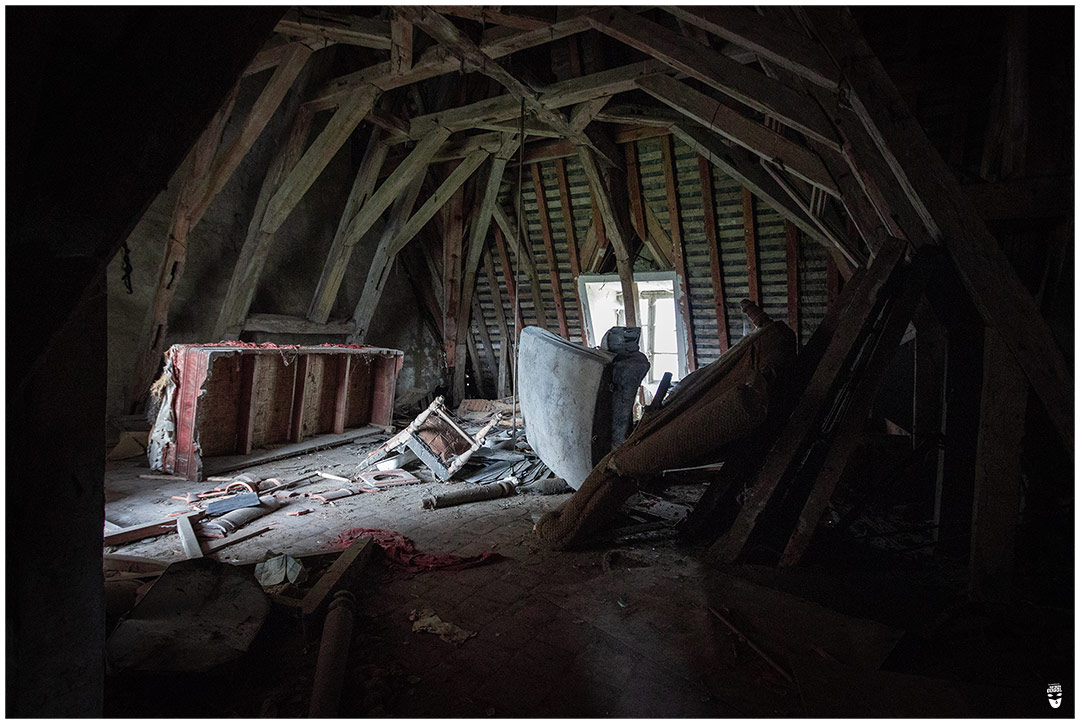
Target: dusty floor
{"x":624,"y":632}
{"x":598,"y":633}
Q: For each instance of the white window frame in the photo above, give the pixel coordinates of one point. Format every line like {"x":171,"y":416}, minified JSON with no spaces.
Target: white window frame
{"x":681,"y":336}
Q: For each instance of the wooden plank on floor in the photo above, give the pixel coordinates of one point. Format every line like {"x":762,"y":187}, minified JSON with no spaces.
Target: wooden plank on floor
{"x":346,"y":565}
{"x":146,"y":530}
{"x":229,"y":463}
{"x":190,"y":543}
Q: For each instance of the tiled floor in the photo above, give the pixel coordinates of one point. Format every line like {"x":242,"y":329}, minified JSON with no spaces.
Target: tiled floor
{"x":557,"y":634}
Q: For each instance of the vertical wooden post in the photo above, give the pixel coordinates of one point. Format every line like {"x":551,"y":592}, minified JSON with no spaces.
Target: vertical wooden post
{"x":996,"y":508}
{"x":633,"y":188}
{"x":508,"y":277}
{"x":341,"y":393}
{"x":750,"y":237}
{"x":485,"y":336}
{"x":385,"y":370}
{"x":452,"y":273}
{"x":571,"y":236}
{"x":792,"y":258}
{"x":549,"y":248}
{"x":500,"y":321}
{"x":929,"y":394}
{"x":245,"y":423}
{"x":675,"y":219}
{"x":401,"y":37}
{"x":716,"y":261}
{"x":832,"y":283}
{"x":296,"y":418}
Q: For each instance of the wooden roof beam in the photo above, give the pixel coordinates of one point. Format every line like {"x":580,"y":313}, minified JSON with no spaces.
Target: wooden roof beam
{"x":438,"y":60}
{"x":769,"y":40}
{"x":453,"y":39}
{"x":334,"y":269}
{"x":735,"y":162}
{"x":339,"y":28}
{"x":261,"y":112}
{"x":933,"y":191}
{"x":735,"y":127}
{"x":493,"y":17}
{"x":749,"y":87}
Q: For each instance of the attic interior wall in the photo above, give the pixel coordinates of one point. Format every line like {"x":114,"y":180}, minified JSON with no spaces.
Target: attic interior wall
{"x":727,"y":196}
{"x":289,"y":277}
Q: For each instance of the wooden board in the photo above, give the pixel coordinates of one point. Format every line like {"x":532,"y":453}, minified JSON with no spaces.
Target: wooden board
{"x":795,"y":434}
{"x":228,"y":463}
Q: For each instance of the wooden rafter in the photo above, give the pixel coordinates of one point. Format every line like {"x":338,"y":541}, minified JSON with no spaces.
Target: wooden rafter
{"x":571,"y":235}
{"x":457,"y":43}
{"x":264,"y":108}
{"x":791,"y":265}
{"x":770,"y":40}
{"x":716,"y":260}
{"x":333,"y":135}
{"x":438,"y":60}
{"x":453,"y":305}
{"x":256,"y":247}
{"x":450,"y":185}
{"x":277,"y":52}
{"x":506,"y":359}
{"x":415,"y":164}
{"x":340,"y":28}
{"x":493,"y":17}
{"x":736,"y":80}
{"x":729,"y":123}
{"x":932,"y":190}
{"x":152,"y":339}
{"x":658,"y":245}
{"x":750,"y":239}
{"x":401,"y":44}
{"x":523,"y":256}
{"x":616,"y":225}
{"x":675,"y":222}
{"x":362,"y":188}
{"x":379,"y":269}
{"x":508,"y":278}
{"x":287,"y":185}
{"x":736,"y":163}
{"x":506,"y":107}
{"x":549,"y":249}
